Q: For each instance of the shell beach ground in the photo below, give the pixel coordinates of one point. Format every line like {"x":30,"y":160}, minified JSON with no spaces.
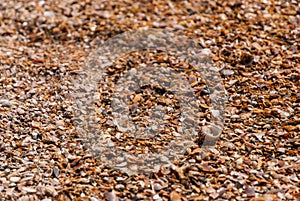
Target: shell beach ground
{"x":46,"y":45}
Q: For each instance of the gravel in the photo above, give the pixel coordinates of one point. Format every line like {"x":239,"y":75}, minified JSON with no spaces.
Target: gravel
{"x":255,"y":46}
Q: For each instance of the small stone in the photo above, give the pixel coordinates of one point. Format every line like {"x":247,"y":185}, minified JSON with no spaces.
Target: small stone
{"x":6,"y":103}
{"x":110,"y":144}
{"x":206,"y":51}
{"x":105,"y":14}
{"x":14,"y":179}
{"x":56,"y":171}
{"x":49,"y":14}
{"x":157,"y":197}
{"x":239,"y":161}
{"x":28,"y":189}
{"x":157,"y":186}
{"x":120,"y":186}
{"x":111,"y":196}
{"x":94,"y":199}
{"x":51,"y":190}
{"x":60,"y":123}
{"x":35,"y":124}
{"x":227,"y":72}
{"x":174,"y":196}
{"x":250,"y":191}
{"x":41,"y":3}
{"x":179,"y":27}
{"x":20,"y":111}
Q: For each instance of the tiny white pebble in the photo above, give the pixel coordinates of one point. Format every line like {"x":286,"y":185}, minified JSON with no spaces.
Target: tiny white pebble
{"x":206,"y":51}
{"x":239,"y":161}
{"x":94,"y":199}
{"x":14,"y":179}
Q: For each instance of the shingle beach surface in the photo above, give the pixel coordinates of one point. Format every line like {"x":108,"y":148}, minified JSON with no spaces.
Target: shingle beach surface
{"x":44,"y":46}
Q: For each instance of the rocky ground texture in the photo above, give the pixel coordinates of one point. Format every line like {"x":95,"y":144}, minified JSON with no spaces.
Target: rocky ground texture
{"x":256,"y":47}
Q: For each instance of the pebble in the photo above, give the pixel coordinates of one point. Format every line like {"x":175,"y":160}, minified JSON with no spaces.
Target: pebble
{"x":157,"y":186}
{"x":120,"y":186}
{"x":6,"y":103}
{"x":60,"y":123}
{"x":206,"y":51}
{"x":239,"y":161}
{"x":178,"y":26}
{"x":15,"y":179}
{"x":20,"y":111}
{"x":56,"y":171}
{"x":156,"y":197}
{"x":28,"y":189}
{"x":111,"y":196}
{"x":94,"y":199}
{"x":227,"y":72}
{"x":49,"y":14}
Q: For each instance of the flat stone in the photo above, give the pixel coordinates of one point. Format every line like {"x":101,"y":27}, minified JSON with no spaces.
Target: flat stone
{"x":6,"y":103}
{"x":14,"y":179}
